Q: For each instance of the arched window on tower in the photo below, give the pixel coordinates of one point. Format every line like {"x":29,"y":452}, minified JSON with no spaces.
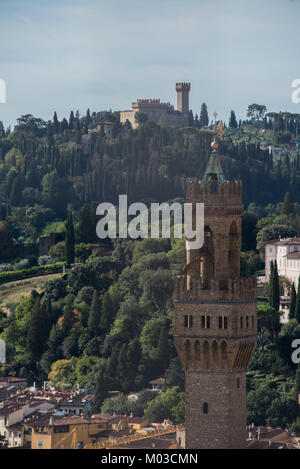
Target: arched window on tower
{"x":215,"y":355}
{"x":206,"y":358}
{"x":206,"y":260}
{"x":224,"y":355}
{"x":205,"y":407}
{"x":197,"y":351}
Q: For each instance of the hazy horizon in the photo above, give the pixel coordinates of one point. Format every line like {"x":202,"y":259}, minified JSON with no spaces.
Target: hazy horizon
{"x":80,"y":54}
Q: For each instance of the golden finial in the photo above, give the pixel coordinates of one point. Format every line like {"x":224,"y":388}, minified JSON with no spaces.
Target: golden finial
{"x":215,"y":115}
{"x":220,"y":130}
{"x":214,"y":144}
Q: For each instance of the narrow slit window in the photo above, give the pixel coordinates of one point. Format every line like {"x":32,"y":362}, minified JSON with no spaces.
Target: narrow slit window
{"x":186,"y":321}
{"x":220,"y":322}
{"x":225,"y":322}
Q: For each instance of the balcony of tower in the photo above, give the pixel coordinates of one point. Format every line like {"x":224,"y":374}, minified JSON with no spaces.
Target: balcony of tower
{"x":239,"y":289}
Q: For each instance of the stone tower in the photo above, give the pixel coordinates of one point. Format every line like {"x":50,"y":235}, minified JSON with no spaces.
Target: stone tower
{"x":183,"y":90}
{"x":215,"y":318}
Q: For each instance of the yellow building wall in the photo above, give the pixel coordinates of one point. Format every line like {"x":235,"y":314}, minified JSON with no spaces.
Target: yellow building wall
{"x":85,"y":433}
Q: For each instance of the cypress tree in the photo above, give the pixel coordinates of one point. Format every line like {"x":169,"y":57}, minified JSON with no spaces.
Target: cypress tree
{"x":68,"y":319}
{"x":163,"y":349}
{"x":292,"y":302}
{"x":276,"y":288}
{"x":107,"y":313}
{"x":88,"y":117}
{"x":232,"y":121}
{"x":55,"y":123}
{"x":71,"y":120}
{"x":34,"y":342}
{"x":271,"y":282}
{"x":70,"y":240}
{"x":203,"y":121}
{"x":95,"y":315}
{"x":122,"y":362}
{"x":297,"y":307}
{"x":287,"y":206}
{"x":15,"y":194}
{"x":102,"y":386}
{"x":2,"y":130}
{"x":122,"y":369}
{"x":46,"y":315}
{"x":274,"y":297}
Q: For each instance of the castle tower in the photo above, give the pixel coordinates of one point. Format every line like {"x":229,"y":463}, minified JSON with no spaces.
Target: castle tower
{"x":215,"y":318}
{"x":183,"y":90}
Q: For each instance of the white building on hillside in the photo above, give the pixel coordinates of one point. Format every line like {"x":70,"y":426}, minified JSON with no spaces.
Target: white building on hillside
{"x":286,"y":251}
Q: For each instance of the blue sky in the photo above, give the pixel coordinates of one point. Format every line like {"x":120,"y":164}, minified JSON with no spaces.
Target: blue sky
{"x":60,"y":55}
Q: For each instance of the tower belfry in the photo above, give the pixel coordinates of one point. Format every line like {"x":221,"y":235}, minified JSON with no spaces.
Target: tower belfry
{"x":215,"y":317}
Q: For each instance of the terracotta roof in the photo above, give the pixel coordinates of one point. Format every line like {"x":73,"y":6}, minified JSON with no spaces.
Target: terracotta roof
{"x":158,"y":442}
{"x":293,"y":255}
{"x":10,"y":409}
{"x":137,"y":419}
{"x":12,"y":380}
{"x":284,"y":241}
{"x":157,"y":381}
{"x":77,"y":400}
{"x":43,"y":420}
{"x":264,"y":444}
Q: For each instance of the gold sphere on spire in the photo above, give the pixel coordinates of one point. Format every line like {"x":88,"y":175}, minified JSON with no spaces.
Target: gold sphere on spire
{"x":214,"y":144}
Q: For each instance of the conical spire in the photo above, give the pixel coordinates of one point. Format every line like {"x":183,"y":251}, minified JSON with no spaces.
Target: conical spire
{"x":213,"y":171}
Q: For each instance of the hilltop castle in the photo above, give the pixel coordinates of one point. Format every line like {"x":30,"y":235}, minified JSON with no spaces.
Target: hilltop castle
{"x":162,"y":112}
{"x":215,"y":318}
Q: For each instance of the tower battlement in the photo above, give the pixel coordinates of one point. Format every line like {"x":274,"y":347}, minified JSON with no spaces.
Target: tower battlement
{"x":184,"y":86}
{"x":183,"y":90}
{"x":228,"y":192}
